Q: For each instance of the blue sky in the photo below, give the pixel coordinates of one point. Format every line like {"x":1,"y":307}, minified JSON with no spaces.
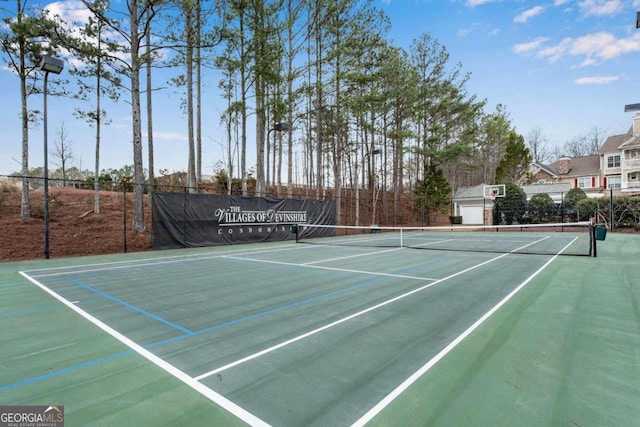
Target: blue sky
{"x":561,"y":66}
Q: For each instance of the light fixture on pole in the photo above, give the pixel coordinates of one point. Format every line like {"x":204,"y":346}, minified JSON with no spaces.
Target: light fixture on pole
{"x":375,"y":189}
{"x":48,"y":64}
{"x":279,"y":127}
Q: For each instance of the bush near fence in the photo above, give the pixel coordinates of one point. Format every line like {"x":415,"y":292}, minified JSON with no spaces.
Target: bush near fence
{"x":626,"y":213}
{"x":76,"y":230}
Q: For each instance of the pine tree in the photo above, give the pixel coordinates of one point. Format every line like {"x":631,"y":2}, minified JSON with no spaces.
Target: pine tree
{"x":516,"y":162}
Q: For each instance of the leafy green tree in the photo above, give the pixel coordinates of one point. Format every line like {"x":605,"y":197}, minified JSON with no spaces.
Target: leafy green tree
{"x":432,"y":193}
{"x":489,"y":149}
{"x":512,"y":207}
{"x":92,"y":70}
{"x":446,"y":116}
{"x":572,"y":198}
{"x":626,"y":211}
{"x":399,"y":82}
{"x":541,"y":209}
{"x":132,"y":31}
{"x":516,"y":161}
{"x":23,"y":39}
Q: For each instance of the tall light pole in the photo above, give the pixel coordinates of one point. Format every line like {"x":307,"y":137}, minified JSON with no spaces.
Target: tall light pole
{"x":365,"y":157}
{"x":376,"y":187}
{"x":279,"y":127}
{"x":48,"y":64}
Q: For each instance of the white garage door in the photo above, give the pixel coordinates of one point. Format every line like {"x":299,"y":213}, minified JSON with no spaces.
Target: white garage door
{"x":471,"y":214}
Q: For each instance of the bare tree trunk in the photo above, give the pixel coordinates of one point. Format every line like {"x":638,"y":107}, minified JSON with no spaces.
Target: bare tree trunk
{"x":25,"y":211}
{"x":278,"y":181}
{"x":138,"y":172}
{"x":191,"y":173}
{"x":198,"y":61}
{"x":319,"y":105}
{"x":290,"y":58}
{"x":149,"y":110}
{"x":243,"y":98}
{"x":268,"y":143}
{"x":260,"y":136}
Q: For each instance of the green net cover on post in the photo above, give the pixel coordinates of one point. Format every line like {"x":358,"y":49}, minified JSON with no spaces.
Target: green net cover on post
{"x":601,"y":232}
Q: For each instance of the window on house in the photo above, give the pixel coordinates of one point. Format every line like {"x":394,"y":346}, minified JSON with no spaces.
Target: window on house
{"x":613,"y":161}
{"x":584,"y":182}
{"x":634,"y":176}
{"x":614,"y":182}
{"x":633,"y":154}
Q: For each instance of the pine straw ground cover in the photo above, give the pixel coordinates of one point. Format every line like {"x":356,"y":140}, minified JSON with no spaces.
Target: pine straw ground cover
{"x":74,"y":229}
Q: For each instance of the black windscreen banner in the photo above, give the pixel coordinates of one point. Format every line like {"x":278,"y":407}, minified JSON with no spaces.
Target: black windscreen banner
{"x":183,"y":220}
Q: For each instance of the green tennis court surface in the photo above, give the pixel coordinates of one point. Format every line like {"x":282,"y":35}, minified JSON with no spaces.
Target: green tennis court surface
{"x":310,"y":335}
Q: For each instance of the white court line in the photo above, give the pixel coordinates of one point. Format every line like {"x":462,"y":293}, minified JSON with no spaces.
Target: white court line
{"x":344,"y":319}
{"x":350,"y":256}
{"x":220,"y":400}
{"x":319,"y":267}
{"x":118,"y":265}
{"x":453,"y":344}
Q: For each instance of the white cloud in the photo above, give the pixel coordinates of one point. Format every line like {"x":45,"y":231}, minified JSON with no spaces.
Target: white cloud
{"x":555,"y":53}
{"x":474,"y":3}
{"x":597,"y":80}
{"x":72,"y":11}
{"x":590,"y":61}
{"x":523,"y":17}
{"x":530,"y":46}
{"x":74,"y":15}
{"x":594,"y":48}
{"x":478,"y":28}
{"x":600,"y":7}
{"x":604,"y":45}
{"x":169,"y":136}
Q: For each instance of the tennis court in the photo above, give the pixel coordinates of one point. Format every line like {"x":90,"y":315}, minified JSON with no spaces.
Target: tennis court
{"x":288,"y":334}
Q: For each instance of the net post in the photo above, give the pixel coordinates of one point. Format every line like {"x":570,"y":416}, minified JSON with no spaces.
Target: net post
{"x":593,"y":251}
{"x":401,"y":238}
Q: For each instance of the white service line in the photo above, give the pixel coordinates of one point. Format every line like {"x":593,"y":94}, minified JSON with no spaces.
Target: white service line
{"x":319,"y":267}
{"x":89,"y":268}
{"x":453,"y":344}
{"x":220,"y":400}
{"x":350,"y":256}
{"x":344,"y":319}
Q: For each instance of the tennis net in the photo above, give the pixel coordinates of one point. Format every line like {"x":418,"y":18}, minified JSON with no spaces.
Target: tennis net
{"x":547,"y":239}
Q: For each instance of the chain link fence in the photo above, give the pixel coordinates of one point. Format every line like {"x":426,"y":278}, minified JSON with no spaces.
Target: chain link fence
{"x":72,"y":206}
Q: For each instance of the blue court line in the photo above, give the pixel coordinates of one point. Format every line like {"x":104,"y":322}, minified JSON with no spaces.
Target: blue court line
{"x":270,"y":311}
{"x":65,"y":370}
{"x":42,"y":308}
{"x":420,"y":267}
{"x":30,"y":310}
{"x":188,"y":334}
{"x":14,"y":285}
{"x":202,"y":331}
{"x":130,"y":306}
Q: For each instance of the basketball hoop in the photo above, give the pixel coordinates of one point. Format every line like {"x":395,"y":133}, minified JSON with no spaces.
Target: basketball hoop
{"x":493,"y":191}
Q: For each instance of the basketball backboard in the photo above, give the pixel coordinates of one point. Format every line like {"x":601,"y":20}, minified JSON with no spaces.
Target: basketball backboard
{"x":493,"y":191}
